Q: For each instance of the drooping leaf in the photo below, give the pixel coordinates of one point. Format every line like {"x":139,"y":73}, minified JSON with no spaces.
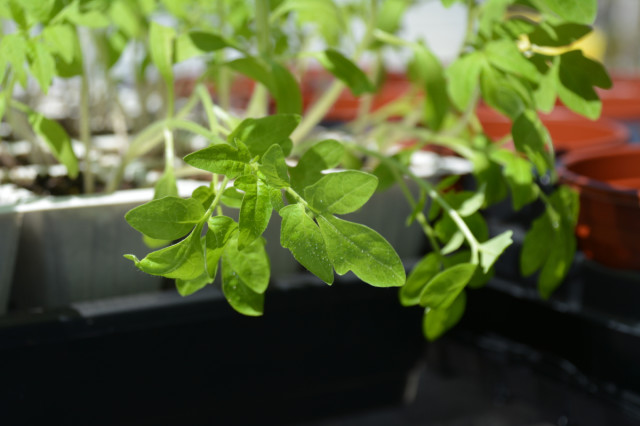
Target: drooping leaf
{"x":519,"y":176}
{"x":285,"y":90}
{"x":357,"y":248}
{"x":433,"y":80}
{"x":535,"y":248}
{"x":220,"y":229}
{"x":443,"y":289}
{"x":259,"y":134}
{"x":346,"y":71}
{"x":168,"y":218}
{"x":499,"y":93}
{"x":577,"y":75}
{"x":437,"y":321}
{"x":420,"y":275}
{"x":250,"y":265}
{"x":57,"y":139}
{"x":341,"y":192}
{"x":42,"y":65}
{"x":301,"y":235}
{"x":531,"y":137}
{"x":184,"y":260}
{"x":255,"y":210}
{"x":221,"y":158}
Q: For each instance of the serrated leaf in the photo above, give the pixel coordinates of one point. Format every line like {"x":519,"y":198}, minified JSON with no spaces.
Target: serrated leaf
{"x":255,"y":211}
{"x":437,"y":321}
{"x":161,"y":44}
{"x":221,"y":158}
{"x":301,"y":235}
{"x":345,"y":70}
{"x":464,"y":79}
{"x":168,"y":218}
{"x":57,"y":140}
{"x":184,"y":260}
{"x":492,"y":249}
{"x":259,"y":134}
{"x":274,"y":167}
{"x":442,"y":290}
{"x":321,"y":156}
{"x":357,"y":248}
{"x":341,"y":192}
{"x":505,"y":55}
{"x":420,"y":275}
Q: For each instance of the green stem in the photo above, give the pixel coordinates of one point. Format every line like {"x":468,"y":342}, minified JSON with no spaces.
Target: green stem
{"x":474,"y":245}
{"x":216,"y":200}
{"x":317,"y":111}
{"x":223,"y":77}
{"x":85,"y":133}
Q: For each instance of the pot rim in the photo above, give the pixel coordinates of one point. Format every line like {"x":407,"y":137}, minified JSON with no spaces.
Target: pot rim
{"x":586,"y":183}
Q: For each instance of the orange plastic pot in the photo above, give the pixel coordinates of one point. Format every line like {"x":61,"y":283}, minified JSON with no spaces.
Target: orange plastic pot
{"x":608,"y":181}
{"x":569,"y":132}
{"x":622,"y":102}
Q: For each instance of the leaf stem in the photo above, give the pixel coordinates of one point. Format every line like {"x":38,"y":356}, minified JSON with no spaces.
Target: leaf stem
{"x":85,"y":133}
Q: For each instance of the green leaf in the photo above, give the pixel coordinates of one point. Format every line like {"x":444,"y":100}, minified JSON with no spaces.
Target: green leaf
{"x":437,"y":321}
{"x":493,"y":11}
{"x":500,"y":94}
{"x":188,"y":287}
{"x":62,"y":40}
{"x":443,"y":289}
{"x":56,"y":139}
{"x":341,"y":192}
{"x":430,"y":71}
{"x":274,"y":167}
{"x":519,"y":176}
{"x":473,"y":203}
{"x":245,"y":276}
{"x":220,"y":229}
{"x":531,"y":137}
{"x":505,"y":55}
{"x":42,"y":66}
{"x":254,"y":69}
{"x":161,"y":44}
{"x":346,"y":71}
{"x":420,"y":275}
{"x":547,"y":90}
{"x":301,"y":235}
{"x":580,"y":11}
{"x":259,"y":134}
{"x":204,"y":195}
{"x":563,"y":34}
{"x":221,"y":158}
{"x":285,"y":90}
{"x":355,"y":247}
{"x":321,"y":156}
{"x":492,"y":249}
{"x":576,"y":77}
{"x":536,"y":246}
{"x":124,"y":14}
{"x":255,"y":210}
{"x":184,"y":260}
{"x":231,"y":197}
{"x":323,"y":14}
{"x":197,"y":43}
{"x":464,"y":79}
{"x":557,"y":266}
{"x":168,"y":218}
{"x":390,"y":16}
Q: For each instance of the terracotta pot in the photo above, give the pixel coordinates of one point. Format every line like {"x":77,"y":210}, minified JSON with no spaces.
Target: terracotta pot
{"x":315,"y":82}
{"x":569,"y":132}
{"x":608,"y":181}
{"x":622,"y":102}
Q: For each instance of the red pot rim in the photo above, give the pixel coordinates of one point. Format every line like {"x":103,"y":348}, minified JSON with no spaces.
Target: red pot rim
{"x":596,"y":186}
{"x":622,"y":101}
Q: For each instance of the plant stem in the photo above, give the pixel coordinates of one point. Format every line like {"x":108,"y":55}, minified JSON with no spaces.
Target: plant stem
{"x":216,"y":200}
{"x":435,"y":195}
{"x":317,"y":111}
{"x":223,"y":77}
{"x":85,"y":133}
